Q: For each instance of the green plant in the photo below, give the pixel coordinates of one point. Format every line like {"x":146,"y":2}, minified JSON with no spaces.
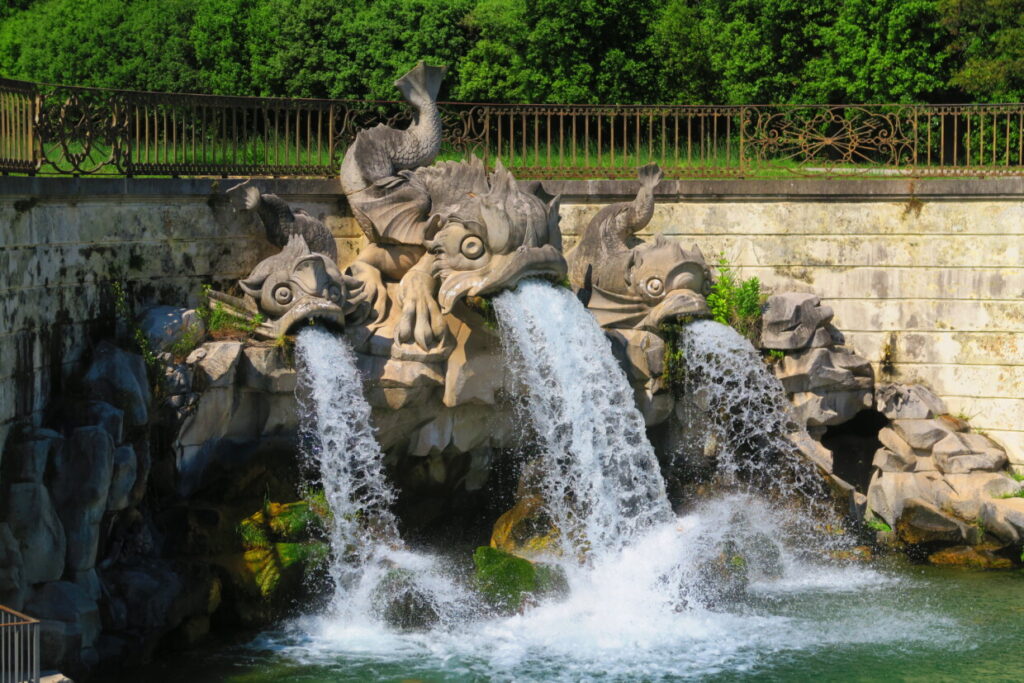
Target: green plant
{"x":877,"y":525}
{"x":1016,"y":476}
{"x":775,"y":355}
{"x":736,"y":302}
{"x":222,"y":322}
{"x":192,"y":338}
{"x":484,"y":307}
{"x":125,"y":312}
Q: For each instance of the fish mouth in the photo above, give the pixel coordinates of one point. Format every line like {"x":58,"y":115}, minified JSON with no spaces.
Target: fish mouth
{"x":679,"y":303}
{"x":309,"y":310}
{"x":504,"y":271}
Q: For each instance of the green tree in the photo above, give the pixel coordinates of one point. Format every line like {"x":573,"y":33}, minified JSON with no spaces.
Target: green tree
{"x":988,"y":43}
{"x":552,"y":51}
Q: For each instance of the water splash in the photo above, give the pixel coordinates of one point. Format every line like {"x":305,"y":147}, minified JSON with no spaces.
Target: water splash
{"x":600,"y":477}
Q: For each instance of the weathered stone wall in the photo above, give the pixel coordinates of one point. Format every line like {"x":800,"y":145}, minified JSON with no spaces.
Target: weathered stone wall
{"x":926,"y":275}
{"x":64,"y":241}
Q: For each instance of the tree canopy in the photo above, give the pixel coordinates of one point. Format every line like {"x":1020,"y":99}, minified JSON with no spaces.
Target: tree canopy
{"x":586,"y":51}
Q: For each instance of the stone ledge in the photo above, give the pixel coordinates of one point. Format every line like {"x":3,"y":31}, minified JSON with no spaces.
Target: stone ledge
{"x":775,"y":189}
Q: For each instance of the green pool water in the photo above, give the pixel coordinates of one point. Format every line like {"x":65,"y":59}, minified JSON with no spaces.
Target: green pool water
{"x":898,"y":622}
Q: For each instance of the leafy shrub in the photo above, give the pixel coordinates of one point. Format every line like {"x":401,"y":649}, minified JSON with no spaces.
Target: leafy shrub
{"x":735,"y":302}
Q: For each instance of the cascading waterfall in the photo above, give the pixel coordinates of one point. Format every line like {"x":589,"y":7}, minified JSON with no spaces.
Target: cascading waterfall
{"x":370,"y":566}
{"x":338,"y":435}
{"x":735,"y":410}
{"x":600,"y":476}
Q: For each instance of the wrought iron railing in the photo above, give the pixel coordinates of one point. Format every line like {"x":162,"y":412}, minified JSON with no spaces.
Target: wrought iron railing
{"x":19,"y":647}
{"x":61,"y":130}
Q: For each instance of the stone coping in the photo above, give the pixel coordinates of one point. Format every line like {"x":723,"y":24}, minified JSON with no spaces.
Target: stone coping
{"x":775,"y":189}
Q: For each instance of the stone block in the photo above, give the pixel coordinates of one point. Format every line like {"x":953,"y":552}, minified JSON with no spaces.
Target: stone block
{"x":922,"y":434}
{"x":888,"y":461}
{"x":792,"y":319}
{"x":266,"y":368}
{"x":215,"y":364}
{"x":12,"y":582}
{"x":72,"y":619}
{"x":1004,"y":518}
{"x":922,"y":522}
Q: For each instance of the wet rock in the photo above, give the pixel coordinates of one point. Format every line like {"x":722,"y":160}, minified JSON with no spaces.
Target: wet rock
{"x":829,"y":408}
{"x":119,"y":378}
{"x":80,"y":486}
{"x":722,"y":579}
{"x":25,"y":460}
{"x":400,"y":603}
{"x":812,"y":449}
{"x":165,"y":326}
{"x":103,"y":414}
{"x":908,"y":401}
{"x":475,"y":370}
{"x":34,"y":523}
{"x":509,"y":583}
{"x":795,"y":320}
{"x":122,"y":479}
{"x":888,"y":492}
{"x":526,"y":530}
{"x":972,"y":557}
{"x":921,"y":522}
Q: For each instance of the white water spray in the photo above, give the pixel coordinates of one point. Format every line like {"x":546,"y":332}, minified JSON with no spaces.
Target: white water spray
{"x":600,"y":477}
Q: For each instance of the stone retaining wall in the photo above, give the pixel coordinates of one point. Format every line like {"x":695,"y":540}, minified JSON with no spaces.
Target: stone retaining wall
{"x":926,"y":277}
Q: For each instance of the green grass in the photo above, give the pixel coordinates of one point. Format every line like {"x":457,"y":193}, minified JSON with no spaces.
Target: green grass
{"x":877,"y":525}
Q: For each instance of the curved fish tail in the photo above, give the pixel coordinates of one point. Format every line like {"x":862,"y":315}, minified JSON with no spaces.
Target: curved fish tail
{"x":421,"y":84}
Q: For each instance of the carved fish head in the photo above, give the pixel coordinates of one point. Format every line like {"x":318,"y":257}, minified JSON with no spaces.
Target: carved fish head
{"x":296,"y":286}
{"x":492,"y":241}
{"x":670,"y":279}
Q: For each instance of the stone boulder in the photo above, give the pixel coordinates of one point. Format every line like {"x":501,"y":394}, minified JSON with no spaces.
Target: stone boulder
{"x":107,"y":416}
{"x":920,"y":522}
{"x":34,"y":523}
{"x":25,"y":460}
{"x":81,"y":484}
{"x":1004,"y":517}
{"x":908,"y":401}
{"x":119,"y":377}
{"x":12,"y":582}
{"x":215,"y":364}
{"x":795,"y":320}
{"x":165,"y":326}
{"x":827,"y":386}
{"x":70,"y":624}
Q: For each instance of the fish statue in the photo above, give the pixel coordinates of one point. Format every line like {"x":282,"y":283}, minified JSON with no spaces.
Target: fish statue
{"x":628,"y":283}
{"x":443,"y":231}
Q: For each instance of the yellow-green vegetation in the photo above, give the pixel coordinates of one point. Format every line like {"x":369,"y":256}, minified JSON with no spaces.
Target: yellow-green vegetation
{"x":775,"y":355}
{"x":736,"y":302}
{"x":283,"y":540}
{"x":221,"y":323}
{"x":507,"y":582}
{"x":877,"y":525}
{"x":192,"y":338}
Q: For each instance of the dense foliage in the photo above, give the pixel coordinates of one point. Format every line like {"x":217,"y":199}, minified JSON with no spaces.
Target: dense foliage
{"x":683,"y":51}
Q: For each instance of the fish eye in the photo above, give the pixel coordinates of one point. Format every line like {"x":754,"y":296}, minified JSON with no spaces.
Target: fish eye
{"x":472,"y":247}
{"x":655,"y":286}
{"x":283,"y":294}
